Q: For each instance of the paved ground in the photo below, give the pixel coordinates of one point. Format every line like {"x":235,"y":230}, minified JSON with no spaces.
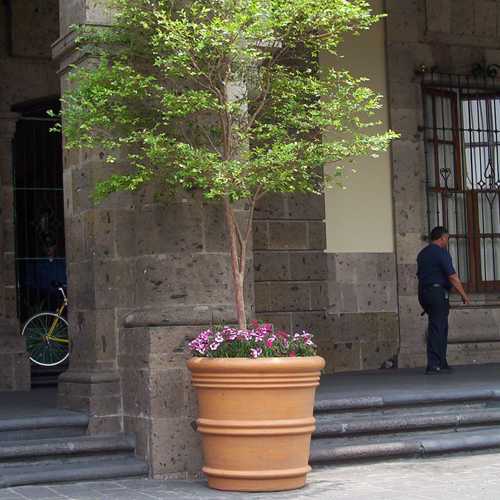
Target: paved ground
{"x":467,"y":477}
{"x":381,"y":383}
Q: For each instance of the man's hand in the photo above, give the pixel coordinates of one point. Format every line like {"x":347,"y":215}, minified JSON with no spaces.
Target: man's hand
{"x":457,"y":284}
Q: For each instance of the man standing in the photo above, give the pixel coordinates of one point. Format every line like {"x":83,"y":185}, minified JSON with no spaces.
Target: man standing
{"x":436,"y":277}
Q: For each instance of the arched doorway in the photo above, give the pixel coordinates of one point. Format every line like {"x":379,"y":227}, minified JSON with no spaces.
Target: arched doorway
{"x":39,"y":216}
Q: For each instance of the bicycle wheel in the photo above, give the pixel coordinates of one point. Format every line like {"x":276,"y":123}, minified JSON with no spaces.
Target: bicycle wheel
{"x":45,"y":350}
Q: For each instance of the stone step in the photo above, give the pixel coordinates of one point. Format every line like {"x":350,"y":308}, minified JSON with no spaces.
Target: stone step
{"x":101,"y":446}
{"x":335,"y":425}
{"x":418,"y":397}
{"x":64,"y":472}
{"x":61,"y":424}
{"x":331,"y":451}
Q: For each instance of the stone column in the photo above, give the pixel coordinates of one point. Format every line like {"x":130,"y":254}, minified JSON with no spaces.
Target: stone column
{"x":96,"y":281}
{"x":14,"y":362}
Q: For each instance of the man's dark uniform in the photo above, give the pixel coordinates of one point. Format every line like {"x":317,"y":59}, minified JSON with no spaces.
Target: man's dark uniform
{"x":434,"y":266}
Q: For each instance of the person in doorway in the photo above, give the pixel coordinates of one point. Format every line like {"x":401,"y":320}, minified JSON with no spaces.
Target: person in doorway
{"x":436,"y":277}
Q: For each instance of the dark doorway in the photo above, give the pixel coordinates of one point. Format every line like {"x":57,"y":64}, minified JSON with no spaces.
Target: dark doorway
{"x":39,"y":212}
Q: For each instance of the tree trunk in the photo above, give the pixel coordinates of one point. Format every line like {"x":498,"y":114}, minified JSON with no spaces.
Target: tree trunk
{"x":237,"y":266}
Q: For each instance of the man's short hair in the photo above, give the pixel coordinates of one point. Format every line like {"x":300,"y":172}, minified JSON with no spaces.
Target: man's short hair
{"x":438,"y":232}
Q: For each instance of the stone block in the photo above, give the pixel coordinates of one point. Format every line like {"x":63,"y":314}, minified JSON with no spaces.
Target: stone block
{"x":305,"y":206}
{"x":21,"y":371}
{"x":374,"y":355}
{"x":379,"y":296}
{"x":402,"y":20}
{"x":347,"y":298}
{"x":388,"y":328}
{"x":405,"y":57}
{"x":334,"y":301}
{"x":473,"y":325}
{"x":140,"y":427}
{"x":280,"y":321}
{"x":114,"y":283}
{"x":7,"y":381}
{"x":319,"y":296}
{"x":183,"y":279}
{"x":10,"y":304}
{"x":72,"y":12}
{"x":270,"y":206}
{"x":386,"y":267}
{"x":262,"y":298}
{"x":260,"y":235}
{"x":82,"y":189}
{"x":410,"y":214}
{"x":317,"y":235}
{"x":462,"y":17}
{"x":214,"y":227}
{"x":287,"y":235}
{"x":404,"y":94}
{"x":124,"y":233}
{"x":81,"y":285}
{"x":136,"y":392}
{"x":99,"y":233}
{"x":289,"y":296}
{"x":346,"y":356}
{"x":108,"y":424}
{"x":315,"y":322}
{"x":485,"y":18}
{"x":308,"y":266}
{"x":272,"y":266}
{"x":354,"y":327}
{"x":408,"y":246}
{"x":463,"y":57}
{"x":175,"y":448}
{"x":169,"y":345}
{"x":175,"y":227}
{"x":407,"y":122}
{"x":169,"y":392}
{"x":407,"y":279}
{"x":438,"y":16}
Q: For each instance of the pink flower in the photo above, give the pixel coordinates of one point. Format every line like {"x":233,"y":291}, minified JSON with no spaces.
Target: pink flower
{"x":269,"y":342}
{"x":292,"y":355}
{"x":214,"y":346}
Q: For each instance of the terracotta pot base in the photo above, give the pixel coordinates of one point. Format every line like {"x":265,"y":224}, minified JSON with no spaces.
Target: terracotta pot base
{"x":257,"y":484}
{"x":256,"y":419}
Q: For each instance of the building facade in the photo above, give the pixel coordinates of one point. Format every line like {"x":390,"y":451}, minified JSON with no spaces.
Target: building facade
{"x":144,"y":277}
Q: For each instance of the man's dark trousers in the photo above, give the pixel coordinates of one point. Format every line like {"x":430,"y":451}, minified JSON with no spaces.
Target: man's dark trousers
{"x":435,"y":303}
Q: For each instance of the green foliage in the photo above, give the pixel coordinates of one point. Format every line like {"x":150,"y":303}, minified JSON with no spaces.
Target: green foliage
{"x":224,"y":96}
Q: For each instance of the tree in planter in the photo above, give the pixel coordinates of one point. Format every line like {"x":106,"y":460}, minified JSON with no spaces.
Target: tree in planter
{"x":225,"y":97}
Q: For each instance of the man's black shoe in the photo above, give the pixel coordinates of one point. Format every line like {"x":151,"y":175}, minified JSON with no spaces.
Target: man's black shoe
{"x":432,"y":371}
{"x":446,"y":368}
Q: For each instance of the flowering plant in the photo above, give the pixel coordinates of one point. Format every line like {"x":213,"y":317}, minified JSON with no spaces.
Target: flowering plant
{"x":260,"y":341}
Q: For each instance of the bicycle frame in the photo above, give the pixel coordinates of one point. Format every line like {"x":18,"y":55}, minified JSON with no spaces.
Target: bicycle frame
{"x":56,"y":320}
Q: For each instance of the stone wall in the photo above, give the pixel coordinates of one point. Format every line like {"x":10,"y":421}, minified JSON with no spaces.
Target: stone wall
{"x":290,"y":263}
{"x":28,"y":27}
{"x":451,"y":35}
{"x":144,"y":278}
{"x":363,"y":311}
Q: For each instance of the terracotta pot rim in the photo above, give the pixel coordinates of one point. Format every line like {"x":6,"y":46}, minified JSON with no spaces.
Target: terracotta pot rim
{"x":299,"y":363}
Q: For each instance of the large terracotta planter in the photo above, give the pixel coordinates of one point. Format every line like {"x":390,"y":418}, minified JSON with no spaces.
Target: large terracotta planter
{"x":256,"y":420}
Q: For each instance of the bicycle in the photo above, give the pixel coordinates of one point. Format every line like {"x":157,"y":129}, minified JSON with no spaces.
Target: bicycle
{"x":47,"y":339}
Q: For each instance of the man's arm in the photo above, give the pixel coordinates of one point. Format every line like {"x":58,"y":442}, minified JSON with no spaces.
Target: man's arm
{"x":457,"y":284}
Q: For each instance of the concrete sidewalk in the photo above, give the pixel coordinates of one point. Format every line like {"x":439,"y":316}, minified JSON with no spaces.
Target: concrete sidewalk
{"x":471,"y":477}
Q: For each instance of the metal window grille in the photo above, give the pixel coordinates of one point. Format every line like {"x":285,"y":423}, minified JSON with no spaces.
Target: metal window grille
{"x":39,"y":214}
{"x":462,"y":139}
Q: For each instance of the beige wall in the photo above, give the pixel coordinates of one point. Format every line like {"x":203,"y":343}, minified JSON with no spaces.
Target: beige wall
{"x":359,"y":218}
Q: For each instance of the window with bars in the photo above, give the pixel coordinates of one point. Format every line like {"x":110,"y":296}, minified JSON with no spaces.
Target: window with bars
{"x":462,"y":136}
